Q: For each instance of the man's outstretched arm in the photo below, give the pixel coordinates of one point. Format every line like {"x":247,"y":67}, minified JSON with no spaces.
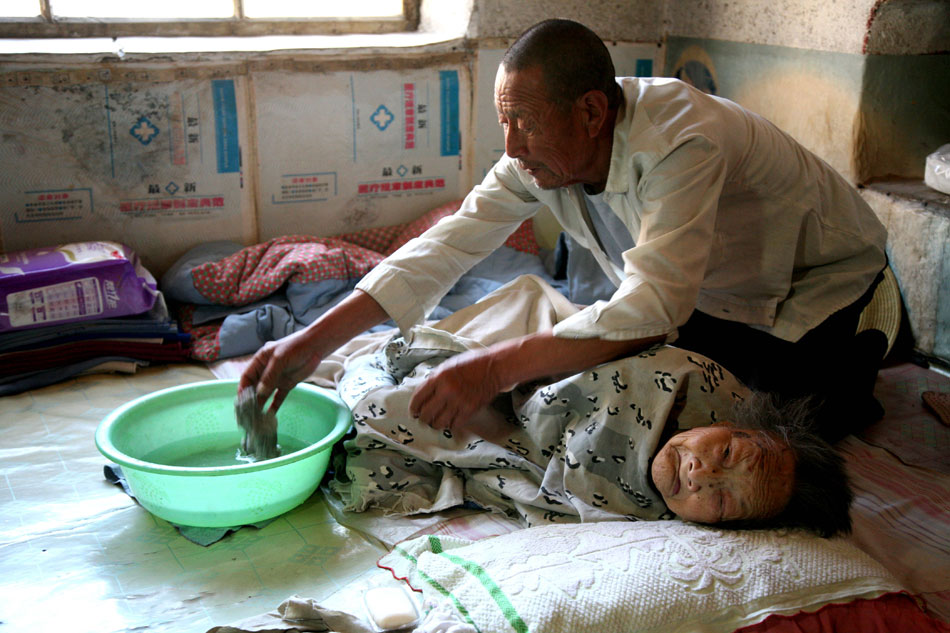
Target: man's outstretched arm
{"x":277,"y":367}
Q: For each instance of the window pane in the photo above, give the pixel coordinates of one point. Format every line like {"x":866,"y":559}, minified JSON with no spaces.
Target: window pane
{"x":166,"y":9}
{"x":19,"y":8}
{"x":321,"y":8}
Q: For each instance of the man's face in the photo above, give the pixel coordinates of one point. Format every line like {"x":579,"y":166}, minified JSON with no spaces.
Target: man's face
{"x":721,"y":473}
{"x":551,"y":145}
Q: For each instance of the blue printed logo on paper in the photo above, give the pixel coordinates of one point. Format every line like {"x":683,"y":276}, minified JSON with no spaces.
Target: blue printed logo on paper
{"x":144,"y":130}
{"x":402,"y":170}
{"x":449,"y":112}
{"x":227,"y":144}
{"x":171,"y":188}
{"x":382,"y":117}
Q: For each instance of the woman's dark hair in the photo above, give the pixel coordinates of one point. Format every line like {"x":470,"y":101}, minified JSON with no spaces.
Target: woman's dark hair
{"x":821,"y":494}
{"x":572,"y":58}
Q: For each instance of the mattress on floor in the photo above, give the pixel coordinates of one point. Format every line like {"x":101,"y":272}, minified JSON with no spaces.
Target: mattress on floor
{"x":77,"y":552}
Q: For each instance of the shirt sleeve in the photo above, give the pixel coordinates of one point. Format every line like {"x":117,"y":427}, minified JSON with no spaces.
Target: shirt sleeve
{"x":410,"y":283}
{"x":678,"y":199}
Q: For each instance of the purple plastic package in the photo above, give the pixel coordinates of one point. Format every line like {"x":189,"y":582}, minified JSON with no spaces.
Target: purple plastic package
{"x":72,"y":282}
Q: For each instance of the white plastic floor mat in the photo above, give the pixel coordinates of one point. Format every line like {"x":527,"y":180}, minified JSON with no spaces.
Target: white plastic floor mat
{"x":77,"y":554}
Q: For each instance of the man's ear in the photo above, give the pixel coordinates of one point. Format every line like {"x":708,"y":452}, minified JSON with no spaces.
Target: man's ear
{"x":593,"y":107}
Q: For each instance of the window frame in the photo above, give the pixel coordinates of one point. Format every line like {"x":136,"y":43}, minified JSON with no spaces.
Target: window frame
{"x":45,"y":26}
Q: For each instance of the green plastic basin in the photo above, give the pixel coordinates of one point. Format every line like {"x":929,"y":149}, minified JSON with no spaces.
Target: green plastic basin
{"x":177,"y":448}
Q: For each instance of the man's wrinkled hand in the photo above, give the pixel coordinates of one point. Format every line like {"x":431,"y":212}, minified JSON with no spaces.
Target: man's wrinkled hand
{"x":455,"y":390}
{"x":277,"y":368}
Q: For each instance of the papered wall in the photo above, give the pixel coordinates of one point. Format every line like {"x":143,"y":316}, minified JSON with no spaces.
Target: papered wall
{"x":165,"y":156}
{"x":166,"y":151}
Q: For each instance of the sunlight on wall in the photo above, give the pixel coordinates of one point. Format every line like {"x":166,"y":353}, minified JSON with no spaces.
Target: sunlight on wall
{"x":817,"y":112}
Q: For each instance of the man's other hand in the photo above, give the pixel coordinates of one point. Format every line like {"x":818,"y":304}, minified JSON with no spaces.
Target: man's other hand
{"x":456,"y":389}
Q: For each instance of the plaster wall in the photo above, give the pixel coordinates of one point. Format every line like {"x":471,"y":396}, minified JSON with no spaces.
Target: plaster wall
{"x":918,"y":247}
{"x":624,"y":21}
{"x":877,"y":27}
{"x":809,"y":24}
{"x":904,"y":114}
{"x":813,"y":95}
{"x":908,"y":27}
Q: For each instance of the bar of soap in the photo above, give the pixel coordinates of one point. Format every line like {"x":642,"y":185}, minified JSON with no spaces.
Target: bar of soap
{"x":390,"y":608}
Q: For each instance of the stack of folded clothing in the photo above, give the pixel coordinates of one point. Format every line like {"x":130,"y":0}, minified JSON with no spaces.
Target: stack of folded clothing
{"x":80,"y":308}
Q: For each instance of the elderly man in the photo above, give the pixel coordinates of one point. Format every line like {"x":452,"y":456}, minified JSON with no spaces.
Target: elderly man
{"x":715,"y":226}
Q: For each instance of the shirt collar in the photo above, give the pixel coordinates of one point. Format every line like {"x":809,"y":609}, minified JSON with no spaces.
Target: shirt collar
{"x":618,"y":180}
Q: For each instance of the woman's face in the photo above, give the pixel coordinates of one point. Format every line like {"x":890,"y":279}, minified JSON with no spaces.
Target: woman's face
{"x":720,"y":473}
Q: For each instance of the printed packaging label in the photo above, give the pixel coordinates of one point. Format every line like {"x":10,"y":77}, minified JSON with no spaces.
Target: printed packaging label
{"x":59,"y":302}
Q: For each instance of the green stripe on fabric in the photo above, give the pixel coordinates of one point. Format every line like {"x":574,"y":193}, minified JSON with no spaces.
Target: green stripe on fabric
{"x":482,"y":576}
{"x":438,"y":587}
{"x":409,"y":557}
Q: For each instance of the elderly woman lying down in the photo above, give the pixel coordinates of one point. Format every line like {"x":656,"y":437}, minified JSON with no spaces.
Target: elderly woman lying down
{"x":666,"y":433}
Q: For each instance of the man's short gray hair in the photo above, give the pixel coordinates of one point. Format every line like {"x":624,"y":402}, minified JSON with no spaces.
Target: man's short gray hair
{"x":821,"y":493}
{"x":572,"y":58}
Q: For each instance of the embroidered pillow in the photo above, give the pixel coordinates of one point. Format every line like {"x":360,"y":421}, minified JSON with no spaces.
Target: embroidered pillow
{"x":651,"y":575}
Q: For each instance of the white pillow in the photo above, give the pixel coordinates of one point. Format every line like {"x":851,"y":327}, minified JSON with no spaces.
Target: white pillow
{"x":651,"y":575}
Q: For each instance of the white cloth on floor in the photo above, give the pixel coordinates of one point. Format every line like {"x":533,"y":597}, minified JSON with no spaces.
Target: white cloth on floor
{"x":298,"y":614}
